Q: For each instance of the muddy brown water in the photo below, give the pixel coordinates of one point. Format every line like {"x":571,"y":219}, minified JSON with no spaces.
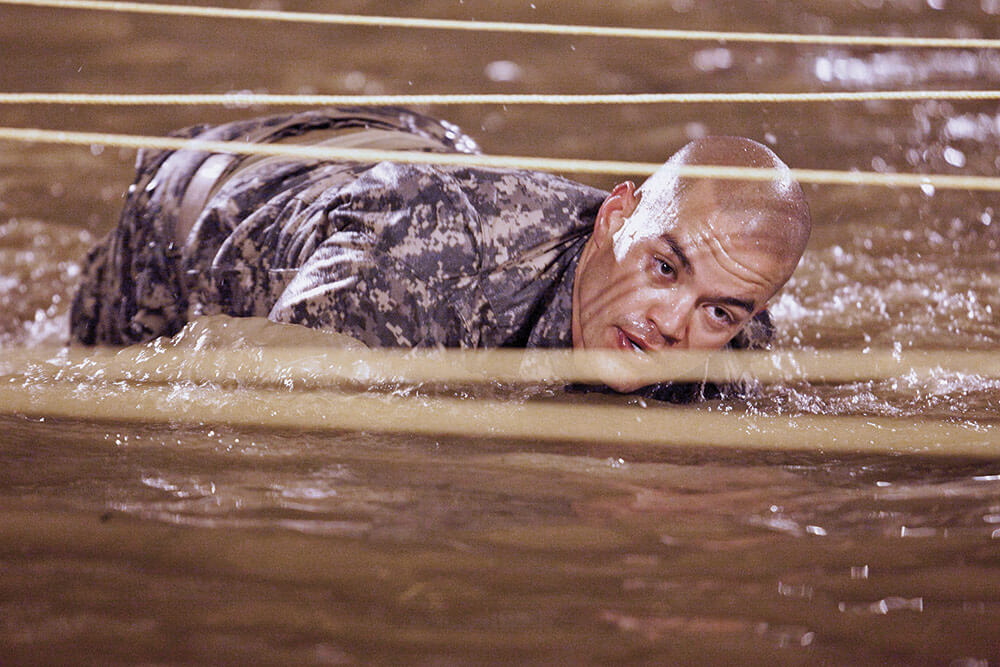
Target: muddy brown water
{"x":151,"y":543}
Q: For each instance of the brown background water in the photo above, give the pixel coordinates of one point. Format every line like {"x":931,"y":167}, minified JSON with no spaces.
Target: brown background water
{"x":165,"y":544}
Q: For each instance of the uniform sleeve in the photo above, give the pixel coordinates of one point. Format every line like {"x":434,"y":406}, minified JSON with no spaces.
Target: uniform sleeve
{"x":398,"y":267}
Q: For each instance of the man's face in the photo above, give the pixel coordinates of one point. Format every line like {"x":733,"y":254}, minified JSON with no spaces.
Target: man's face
{"x":688,"y":280}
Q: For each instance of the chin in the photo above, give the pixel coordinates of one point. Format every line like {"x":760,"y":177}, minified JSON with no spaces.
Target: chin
{"x":623,"y":387}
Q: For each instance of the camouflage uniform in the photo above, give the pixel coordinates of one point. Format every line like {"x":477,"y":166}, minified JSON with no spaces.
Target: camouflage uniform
{"x":391,"y":254}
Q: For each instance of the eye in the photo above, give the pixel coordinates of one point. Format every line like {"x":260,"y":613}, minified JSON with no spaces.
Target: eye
{"x":721,"y":315}
{"x":664,"y":268}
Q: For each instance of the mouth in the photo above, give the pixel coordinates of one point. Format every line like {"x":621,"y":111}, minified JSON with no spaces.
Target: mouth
{"x":627,"y":342}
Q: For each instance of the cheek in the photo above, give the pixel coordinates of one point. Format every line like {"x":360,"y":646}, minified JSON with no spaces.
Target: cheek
{"x":616,"y":294}
{"x":704,"y":337}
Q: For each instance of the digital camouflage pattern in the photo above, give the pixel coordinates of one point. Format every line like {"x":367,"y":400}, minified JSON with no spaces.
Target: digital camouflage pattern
{"x":391,"y":254}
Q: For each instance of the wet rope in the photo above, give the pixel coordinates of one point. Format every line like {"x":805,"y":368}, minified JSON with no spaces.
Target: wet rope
{"x":326,"y":367}
{"x":536,"y":422}
{"x":307,"y":388}
{"x":244,"y":99}
{"x":559,"y":165}
{"x":508,"y":27}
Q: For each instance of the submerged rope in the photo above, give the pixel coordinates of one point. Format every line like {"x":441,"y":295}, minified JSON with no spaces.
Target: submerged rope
{"x":244,"y":99}
{"x":508,"y":27}
{"x":817,"y":176}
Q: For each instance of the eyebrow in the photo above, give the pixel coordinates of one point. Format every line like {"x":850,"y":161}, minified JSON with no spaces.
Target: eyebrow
{"x":745,"y":304}
{"x":675,"y":248}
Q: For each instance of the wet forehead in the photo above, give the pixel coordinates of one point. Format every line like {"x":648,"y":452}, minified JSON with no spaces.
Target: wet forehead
{"x":673,"y":213}
{"x":701,"y":232}
{"x":712,"y":212}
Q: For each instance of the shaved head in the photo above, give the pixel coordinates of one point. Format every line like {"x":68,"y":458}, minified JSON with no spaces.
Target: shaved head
{"x":773,"y":214}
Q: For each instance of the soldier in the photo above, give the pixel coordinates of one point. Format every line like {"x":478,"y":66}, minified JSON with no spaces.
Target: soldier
{"x":407,"y":255}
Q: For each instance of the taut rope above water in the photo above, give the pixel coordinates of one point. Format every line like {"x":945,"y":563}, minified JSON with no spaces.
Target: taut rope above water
{"x":509,"y":27}
{"x":244,"y":99}
{"x":818,"y":176}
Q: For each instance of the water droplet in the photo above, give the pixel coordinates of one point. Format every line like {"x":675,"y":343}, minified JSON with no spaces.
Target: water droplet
{"x":954,"y":157}
{"x":695,"y":130}
{"x":354,"y":81}
{"x":823,"y":69}
{"x":709,"y":60}
{"x":503,"y":71}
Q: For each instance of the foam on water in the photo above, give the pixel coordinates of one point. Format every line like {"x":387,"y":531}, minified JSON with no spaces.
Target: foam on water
{"x":171,"y":542}
{"x":39,"y":267}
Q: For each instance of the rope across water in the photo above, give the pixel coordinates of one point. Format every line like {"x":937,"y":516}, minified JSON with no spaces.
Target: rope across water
{"x":253,"y":388}
{"x":649,"y":429}
{"x":508,"y":27}
{"x":818,"y":176}
{"x":244,"y":99}
{"x":326,"y":367}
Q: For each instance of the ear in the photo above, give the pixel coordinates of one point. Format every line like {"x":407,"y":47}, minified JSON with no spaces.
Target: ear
{"x":618,"y":206}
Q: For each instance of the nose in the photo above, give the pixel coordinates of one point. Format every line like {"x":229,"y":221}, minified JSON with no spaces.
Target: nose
{"x":672,"y":318}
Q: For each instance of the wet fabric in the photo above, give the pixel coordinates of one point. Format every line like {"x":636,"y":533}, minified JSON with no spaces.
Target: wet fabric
{"x":392,"y":254}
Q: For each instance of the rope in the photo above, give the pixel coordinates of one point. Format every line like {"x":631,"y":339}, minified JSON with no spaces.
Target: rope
{"x":252,"y":388}
{"x":507,"y":27}
{"x":242,"y":99}
{"x":818,"y":176}
{"x":325,"y":367}
{"x":659,"y":427}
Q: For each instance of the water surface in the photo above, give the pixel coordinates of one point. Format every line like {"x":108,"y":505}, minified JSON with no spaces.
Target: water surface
{"x":152,"y":543}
